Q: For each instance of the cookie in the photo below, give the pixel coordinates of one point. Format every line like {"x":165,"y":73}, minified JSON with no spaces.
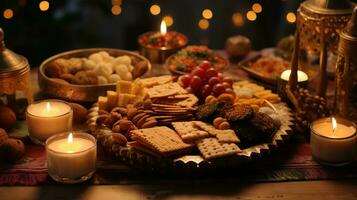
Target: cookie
{"x":239,"y":112}
{"x":189,"y":132}
{"x":210,"y":148}
{"x":160,"y":139}
{"x":206,"y":111}
{"x":265,"y":124}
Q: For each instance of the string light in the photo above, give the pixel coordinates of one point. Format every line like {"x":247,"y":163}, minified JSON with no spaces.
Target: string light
{"x":251,"y":16}
{"x":257,"y":8}
{"x":8,"y":13}
{"x":238,"y":19}
{"x":207,"y":13}
{"x":44,"y":5}
{"x":155,"y":9}
{"x":116,"y":10}
{"x":291,"y":17}
{"x":168,"y":20}
{"x":203,"y":24}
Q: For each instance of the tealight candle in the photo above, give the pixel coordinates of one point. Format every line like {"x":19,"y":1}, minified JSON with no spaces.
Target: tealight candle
{"x":283,"y":80}
{"x":71,"y":158}
{"x":158,"y":46}
{"x":333,"y":141}
{"x":48,"y":117}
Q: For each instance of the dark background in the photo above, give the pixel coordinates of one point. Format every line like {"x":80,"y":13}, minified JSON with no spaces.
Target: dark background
{"x":71,"y":24}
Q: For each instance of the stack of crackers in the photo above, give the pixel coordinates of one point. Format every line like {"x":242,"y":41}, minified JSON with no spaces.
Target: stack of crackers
{"x":171,"y":102}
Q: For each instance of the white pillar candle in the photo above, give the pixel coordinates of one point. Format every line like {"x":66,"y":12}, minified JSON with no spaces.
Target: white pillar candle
{"x":333,"y":141}
{"x":48,"y":117}
{"x":71,"y":158}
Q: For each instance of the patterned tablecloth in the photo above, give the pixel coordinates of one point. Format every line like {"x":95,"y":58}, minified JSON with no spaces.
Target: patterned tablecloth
{"x":290,"y":162}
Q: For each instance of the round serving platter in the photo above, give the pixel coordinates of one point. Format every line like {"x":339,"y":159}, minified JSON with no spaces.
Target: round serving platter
{"x":145,"y":161}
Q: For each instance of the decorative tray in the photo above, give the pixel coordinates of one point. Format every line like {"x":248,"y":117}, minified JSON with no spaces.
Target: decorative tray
{"x":146,"y":161}
{"x":84,"y":92}
{"x":253,"y":58}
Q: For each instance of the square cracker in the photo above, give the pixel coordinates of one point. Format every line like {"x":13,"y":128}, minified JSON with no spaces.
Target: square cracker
{"x":211,"y":129}
{"x":160,"y":139}
{"x":189,"y":132}
{"x":229,"y":137}
{"x":210,"y":148}
{"x":165,"y":90}
{"x":150,"y":82}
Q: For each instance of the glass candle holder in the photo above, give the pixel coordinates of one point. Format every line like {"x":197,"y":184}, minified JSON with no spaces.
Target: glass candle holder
{"x":71,"y":158}
{"x":48,"y":117}
{"x":333,"y":145}
{"x":283,"y":80}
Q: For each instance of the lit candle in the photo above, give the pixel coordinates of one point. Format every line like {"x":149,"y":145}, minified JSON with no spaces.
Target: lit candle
{"x":302,"y":76}
{"x":71,"y":158}
{"x":163,"y":27}
{"x":48,"y":117}
{"x":333,"y":141}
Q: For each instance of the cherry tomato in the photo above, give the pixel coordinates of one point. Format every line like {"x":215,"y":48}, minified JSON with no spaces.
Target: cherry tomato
{"x":205,"y":65}
{"x":213,"y":81}
{"x":226,"y":85}
{"x":211,"y":73}
{"x":198,"y":72}
{"x":228,"y":80}
{"x":185,"y":79}
{"x":196,"y":83}
{"x":206,"y":90}
{"x":218,"y":89}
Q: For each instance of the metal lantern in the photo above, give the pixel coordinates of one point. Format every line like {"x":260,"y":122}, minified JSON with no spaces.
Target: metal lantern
{"x":14,"y":74}
{"x":318,"y":25}
{"x":346,"y":70}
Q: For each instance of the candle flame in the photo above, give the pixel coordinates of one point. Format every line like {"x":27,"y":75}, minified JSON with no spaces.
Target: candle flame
{"x":70,"y":138}
{"x":163,"y":27}
{"x":334,"y":124}
{"x":48,"y":106}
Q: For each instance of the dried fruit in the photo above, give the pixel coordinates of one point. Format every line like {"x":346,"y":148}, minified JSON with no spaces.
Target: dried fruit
{"x":12,"y":150}
{"x":7,"y":117}
{"x":79,"y":113}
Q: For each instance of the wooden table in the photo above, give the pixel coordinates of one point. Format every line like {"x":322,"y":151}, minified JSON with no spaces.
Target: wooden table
{"x":191,"y":189}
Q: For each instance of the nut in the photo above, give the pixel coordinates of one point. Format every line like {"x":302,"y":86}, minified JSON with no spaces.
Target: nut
{"x":67,"y":77}
{"x":132,"y":112}
{"x":224,"y":125}
{"x":7,"y":117}
{"x":226,"y":97}
{"x":126,"y":125}
{"x":3,"y":136}
{"x":119,"y":139}
{"x":120,"y":110}
{"x":140,"y":69}
{"x":218,"y":121}
{"x":12,"y":149}
{"x":79,"y":113}
{"x":56,"y":68}
{"x":102,"y":112}
{"x":102,"y":118}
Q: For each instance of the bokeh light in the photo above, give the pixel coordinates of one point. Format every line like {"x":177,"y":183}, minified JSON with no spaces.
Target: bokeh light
{"x":168,"y":20}
{"x":256,"y":7}
{"x":8,"y":13}
{"x":238,"y":19}
{"x":207,"y":13}
{"x":116,"y":10}
{"x":155,"y":9}
{"x":44,"y":5}
{"x":203,"y":24}
{"x":291,"y":17}
{"x":251,"y":16}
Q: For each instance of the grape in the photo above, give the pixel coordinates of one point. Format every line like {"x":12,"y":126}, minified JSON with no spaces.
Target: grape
{"x":228,"y":80}
{"x":198,"y":72}
{"x":218,"y":89}
{"x":189,"y":90}
{"x":211,"y":73}
{"x":226,"y":85}
{"x":196,"y":83}
{"x":206,"y":90}
{"x":205,"y":65}
{"x":186,"y":79}
{"x":213,"y":81}
{"x":229,"y":91}
{"x":221,"y":77}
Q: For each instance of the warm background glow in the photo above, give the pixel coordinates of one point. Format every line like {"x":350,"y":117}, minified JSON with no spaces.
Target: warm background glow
{"x":251,"y":16}
{"x":203,"y":24}
{"x":257,"y":8}
{"x":116,"y":10}
{"x":44,"y":5}
{"x":238,"y":19}
{"x":291,"y":17}
{"x":207,"y":13}
{"x":168,"y":20}
{"x":8,"y":13}
{"x":155,"y":9}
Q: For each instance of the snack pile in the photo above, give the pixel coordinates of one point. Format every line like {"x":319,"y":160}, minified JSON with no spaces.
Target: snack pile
{"x":171,"y":39}
{"x":163,"y":118}
{"x":98,"y":68}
